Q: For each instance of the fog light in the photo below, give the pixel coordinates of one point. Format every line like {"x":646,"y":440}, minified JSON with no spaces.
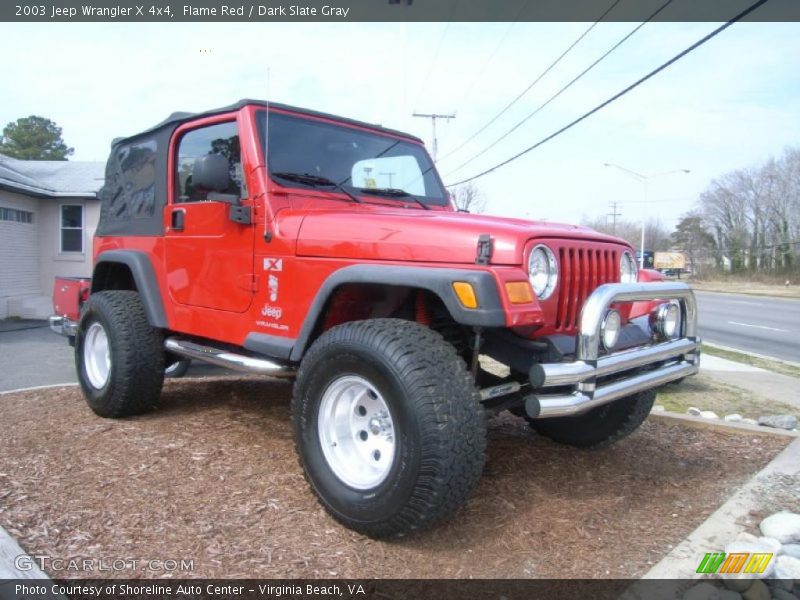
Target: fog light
{"x":609,"y":329}
{"x":666,"y":320}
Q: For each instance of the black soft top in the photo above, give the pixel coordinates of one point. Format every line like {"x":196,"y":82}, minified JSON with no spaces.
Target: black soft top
{"x":135,"y":190}
{"x":178,"y":118}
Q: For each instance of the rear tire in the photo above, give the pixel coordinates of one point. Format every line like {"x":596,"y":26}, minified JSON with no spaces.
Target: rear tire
{"x":403,"y":430}
{"x":119,"y":356}
{"x":601,"y":426}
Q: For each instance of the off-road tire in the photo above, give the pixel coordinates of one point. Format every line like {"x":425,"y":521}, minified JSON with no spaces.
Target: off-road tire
{"x":601,"y":426}
{"x":136,"y":352}
{"x":439,"y":425}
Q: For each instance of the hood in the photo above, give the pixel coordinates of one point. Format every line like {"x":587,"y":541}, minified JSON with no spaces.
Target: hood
{"x":425,"y":236}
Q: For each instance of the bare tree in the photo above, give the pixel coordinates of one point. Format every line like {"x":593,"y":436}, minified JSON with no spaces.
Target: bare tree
{"x":754,"y":215}
{"x":469,"y":198}
{"x":657,"y":237}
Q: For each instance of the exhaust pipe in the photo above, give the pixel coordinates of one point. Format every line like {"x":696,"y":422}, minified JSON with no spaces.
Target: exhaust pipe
{"x":227,"y":359}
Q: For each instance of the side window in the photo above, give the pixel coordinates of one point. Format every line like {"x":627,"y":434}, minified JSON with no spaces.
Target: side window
{"x":222,"y":139}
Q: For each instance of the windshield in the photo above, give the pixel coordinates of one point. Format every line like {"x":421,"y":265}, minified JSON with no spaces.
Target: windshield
{"x":361,"y":161}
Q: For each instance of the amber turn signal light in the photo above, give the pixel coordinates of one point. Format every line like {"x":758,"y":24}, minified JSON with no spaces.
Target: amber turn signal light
{"x":466,"y":294}
{"x":519,"y":292}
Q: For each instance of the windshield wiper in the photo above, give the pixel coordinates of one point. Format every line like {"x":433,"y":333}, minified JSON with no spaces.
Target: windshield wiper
{"x":393,"y":193}
{"x":316,"y":181}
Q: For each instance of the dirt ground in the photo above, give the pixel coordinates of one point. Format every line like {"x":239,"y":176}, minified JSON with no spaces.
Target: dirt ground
{"x":212,"y":477}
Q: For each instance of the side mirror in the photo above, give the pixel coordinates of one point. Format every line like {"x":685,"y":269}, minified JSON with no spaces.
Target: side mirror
{"x":211,"y":172}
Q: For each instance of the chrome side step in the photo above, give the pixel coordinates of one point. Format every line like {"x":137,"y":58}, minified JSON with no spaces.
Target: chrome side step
{"x":230,"y":360}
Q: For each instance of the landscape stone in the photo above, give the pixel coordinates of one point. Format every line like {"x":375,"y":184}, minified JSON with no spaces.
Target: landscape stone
{"x":734,"y":418}
{"x":749,"y":421}
{"x":787,"y":567}
{"x":779,"y":594}
{"x":738,"y":584}
{"x":752,"y":545}
{"x":709,"y":414}
{"x":694,"y":411}
{"x":783,"y":526}
{"x":757,"y":591}
{"x":729,"y":595}
{"x":791,"y":550}
{"x":657,"y":408}
{"x":702,"y":591}
{"x":788,"y":422}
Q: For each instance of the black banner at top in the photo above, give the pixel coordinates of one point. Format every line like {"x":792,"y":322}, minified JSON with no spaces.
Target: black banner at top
{"x":389,"y":10}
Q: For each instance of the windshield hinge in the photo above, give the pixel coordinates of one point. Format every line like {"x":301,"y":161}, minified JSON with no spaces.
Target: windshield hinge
{"x":485,"y":248}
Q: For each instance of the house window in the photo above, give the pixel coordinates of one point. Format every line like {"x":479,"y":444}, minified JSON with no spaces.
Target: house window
{"x":71,"y":228}
{"x":17,"y":216}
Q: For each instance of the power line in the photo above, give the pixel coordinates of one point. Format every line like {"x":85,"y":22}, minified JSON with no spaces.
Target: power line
{"x":438,"y":49}
{"x":480,"y":71}
{"x":618,"y":95}
{"x":535,"y":81}
{"x":565,"y":88}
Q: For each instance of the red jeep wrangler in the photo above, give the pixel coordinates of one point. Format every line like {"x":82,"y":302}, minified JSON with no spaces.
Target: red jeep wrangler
{"x":289,"y":243}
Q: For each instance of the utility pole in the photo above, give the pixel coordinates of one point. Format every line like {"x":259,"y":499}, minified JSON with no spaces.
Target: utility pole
{"x":433,"y":117}
{"x":614,"y":214}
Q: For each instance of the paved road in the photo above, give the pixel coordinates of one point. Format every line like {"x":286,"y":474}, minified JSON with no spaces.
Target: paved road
{"x":769,"y":326}
{"x":35,"y":356}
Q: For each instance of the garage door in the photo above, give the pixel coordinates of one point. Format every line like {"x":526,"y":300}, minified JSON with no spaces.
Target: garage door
{"x":19,"y":249}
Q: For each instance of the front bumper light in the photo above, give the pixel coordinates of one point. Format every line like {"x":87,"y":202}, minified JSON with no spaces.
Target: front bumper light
{"x":609,"y":329}
{"x":665,"y":320}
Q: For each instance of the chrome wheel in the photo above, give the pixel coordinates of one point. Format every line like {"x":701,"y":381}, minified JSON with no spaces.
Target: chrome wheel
{"x":356,"y":432}
{"x":97,"y":356}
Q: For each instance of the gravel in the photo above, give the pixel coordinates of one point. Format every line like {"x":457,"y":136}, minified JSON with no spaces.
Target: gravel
{"x":212,"y":476}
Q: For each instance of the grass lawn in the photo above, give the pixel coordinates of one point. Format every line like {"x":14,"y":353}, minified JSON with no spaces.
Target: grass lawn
{"x":763,"y":363}
{"x":708,"y":394}
{"x":752,"y":288}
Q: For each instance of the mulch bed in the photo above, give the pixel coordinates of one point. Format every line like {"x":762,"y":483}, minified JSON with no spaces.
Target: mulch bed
{"x":212,"y":476}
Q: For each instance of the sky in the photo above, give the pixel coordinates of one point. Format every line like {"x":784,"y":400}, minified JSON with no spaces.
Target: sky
{"x":732,"y":103}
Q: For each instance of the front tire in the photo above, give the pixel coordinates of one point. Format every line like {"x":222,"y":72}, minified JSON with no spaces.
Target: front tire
{"x":388,"y":426}
{"x":119,"y":356}
{"x":600,"y":427}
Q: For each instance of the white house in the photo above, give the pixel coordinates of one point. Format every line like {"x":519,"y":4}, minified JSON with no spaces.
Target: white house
{"x":48,"y":215}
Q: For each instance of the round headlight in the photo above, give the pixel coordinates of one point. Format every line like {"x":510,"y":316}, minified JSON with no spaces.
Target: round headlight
{"x":666,"y":320}
{"x":609,"y":329}
{"x":542,"y":271}
{"x":628,"y":271}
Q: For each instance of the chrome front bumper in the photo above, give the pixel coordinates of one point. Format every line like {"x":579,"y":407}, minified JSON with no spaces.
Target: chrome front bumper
{"x":675,"y":358}
{"x":63,"y":326}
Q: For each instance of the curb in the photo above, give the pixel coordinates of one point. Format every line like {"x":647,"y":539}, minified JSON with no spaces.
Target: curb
{"x":9,"y":552}
{"x":726,"y":522}
{"x":722,"y":426}
{"x":739,"y":293}
{"x":748,"y":353}
{"x":37,"y":387}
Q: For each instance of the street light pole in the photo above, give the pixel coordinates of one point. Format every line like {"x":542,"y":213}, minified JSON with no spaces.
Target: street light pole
{"x":644,"y":180}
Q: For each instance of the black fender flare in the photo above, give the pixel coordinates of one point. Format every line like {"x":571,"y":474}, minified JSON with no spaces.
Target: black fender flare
{"x":144,"y":276}
{"x":439,"y":281}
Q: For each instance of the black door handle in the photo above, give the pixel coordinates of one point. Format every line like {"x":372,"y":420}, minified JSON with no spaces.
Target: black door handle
{"x":178,"y":217}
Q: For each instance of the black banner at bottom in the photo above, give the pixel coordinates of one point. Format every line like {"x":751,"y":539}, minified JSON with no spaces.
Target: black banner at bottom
{"x":350,"y":589}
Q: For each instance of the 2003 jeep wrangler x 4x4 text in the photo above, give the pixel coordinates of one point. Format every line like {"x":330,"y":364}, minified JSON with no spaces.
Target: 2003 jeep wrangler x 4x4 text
{"x":290,"y":243}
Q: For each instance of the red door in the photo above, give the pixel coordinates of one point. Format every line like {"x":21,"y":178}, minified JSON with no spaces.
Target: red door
{"x":209,"y":257}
